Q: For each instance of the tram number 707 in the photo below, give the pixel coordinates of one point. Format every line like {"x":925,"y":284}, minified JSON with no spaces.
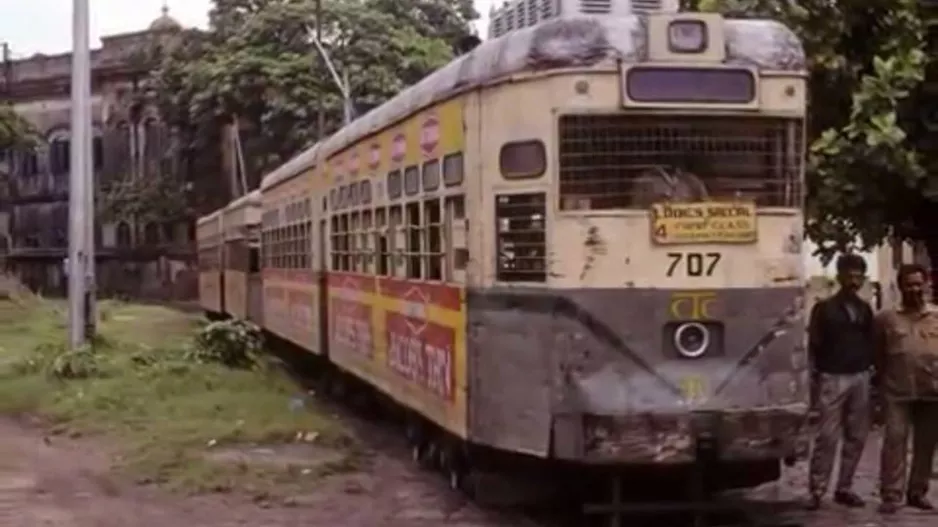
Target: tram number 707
{"x":693,"y":264}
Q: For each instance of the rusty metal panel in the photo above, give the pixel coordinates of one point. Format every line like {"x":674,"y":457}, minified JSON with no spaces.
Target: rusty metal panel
{"x":589,"y":360}
{"x":510,"y":369}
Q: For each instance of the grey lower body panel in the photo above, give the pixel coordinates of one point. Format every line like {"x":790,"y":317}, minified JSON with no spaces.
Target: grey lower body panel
{"x":592,"y":375}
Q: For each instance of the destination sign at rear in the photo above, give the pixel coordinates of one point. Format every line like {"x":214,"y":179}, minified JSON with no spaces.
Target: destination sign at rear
{"x":708,"y":222}
{"x":690,"y":85}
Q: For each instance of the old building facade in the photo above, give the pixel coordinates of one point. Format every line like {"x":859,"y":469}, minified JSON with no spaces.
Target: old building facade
{"x":134,"y":259}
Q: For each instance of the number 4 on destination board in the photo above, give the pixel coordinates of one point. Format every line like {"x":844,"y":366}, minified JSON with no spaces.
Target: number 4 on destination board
{"x":695,"y":264}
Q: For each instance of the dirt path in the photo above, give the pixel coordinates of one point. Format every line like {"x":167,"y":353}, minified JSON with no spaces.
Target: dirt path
{"x":62,"y":482}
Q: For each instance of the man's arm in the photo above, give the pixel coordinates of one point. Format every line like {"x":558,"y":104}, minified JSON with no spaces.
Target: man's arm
{"x":879,"y":347}
{"x":815,"y":334}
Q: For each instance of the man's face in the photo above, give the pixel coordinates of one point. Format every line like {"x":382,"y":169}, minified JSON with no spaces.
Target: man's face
{"x":912,"y":289}
{"x":851,"y":280}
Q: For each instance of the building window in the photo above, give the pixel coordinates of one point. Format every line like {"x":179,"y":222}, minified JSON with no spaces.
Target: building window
{"x":29,"y":163}
{"x":60,"y":155}
{"x":123,"y":234}
{"x":97,"y":152}
{"x":151,"y":234}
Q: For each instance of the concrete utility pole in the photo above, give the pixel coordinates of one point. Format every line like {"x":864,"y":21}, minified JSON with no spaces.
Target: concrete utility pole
{"x":79,"y":176}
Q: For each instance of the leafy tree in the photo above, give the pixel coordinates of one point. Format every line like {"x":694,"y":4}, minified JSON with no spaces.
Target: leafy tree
{"x":871,"y":172}
{"x":13,"y":128}
{"x":258,"y":66}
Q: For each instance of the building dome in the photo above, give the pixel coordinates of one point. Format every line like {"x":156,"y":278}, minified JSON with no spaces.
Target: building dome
{"x":165,"y":22}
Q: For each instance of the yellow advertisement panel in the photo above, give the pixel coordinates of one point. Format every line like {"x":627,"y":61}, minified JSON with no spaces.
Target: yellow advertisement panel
{"x":707,"y":222}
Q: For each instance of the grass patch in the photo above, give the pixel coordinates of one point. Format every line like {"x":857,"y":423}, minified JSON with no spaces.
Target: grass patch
{"x":164,"y":406}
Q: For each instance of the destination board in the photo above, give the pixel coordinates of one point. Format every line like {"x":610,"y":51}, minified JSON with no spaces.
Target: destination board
{"x":707,"y":222}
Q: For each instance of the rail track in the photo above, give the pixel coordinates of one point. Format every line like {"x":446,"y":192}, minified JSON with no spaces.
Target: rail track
{"x":561,"y":498}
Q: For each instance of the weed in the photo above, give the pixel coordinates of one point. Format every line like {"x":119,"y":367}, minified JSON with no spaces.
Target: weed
{"x":232,"y":343}
{"x":164,"y":391}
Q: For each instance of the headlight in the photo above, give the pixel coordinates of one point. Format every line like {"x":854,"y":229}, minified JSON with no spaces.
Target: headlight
{"x":687,"y":36}
{"x":691,"y":339}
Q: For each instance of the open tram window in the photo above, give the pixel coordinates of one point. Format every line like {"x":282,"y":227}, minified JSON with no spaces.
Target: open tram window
{"x":254,"y":264}
{"x":521,"y":242}
{"x":355,"y":247}
{"x":303,"y":241}
{"x":397,"y":232}
{"x":366,"y":234}
{"x":382,"y":245}
{"x":414,"y":236}
{"x":278,"y":247}
{"x":298,"y":246}
{"x":346,"y":257}
{"x":433,"y":239}
{"x":456,"y":233}
{"x":274,"y":249}
{"x":288,"y":242}
{"x":335,"y":244}
{"x":308,"y":243}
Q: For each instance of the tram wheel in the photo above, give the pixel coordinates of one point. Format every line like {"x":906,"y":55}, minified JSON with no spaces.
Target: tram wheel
{"x":454,"y":466}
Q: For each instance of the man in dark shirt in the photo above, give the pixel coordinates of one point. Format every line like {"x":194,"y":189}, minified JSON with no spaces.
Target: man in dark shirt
{"x":840,"y":344}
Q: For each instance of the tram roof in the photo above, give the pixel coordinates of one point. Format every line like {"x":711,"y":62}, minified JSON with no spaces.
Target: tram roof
{"x":251,"y":198}
{"x":573,"y":41}
{"x":300,"y":162}
{"x":211,"y":216}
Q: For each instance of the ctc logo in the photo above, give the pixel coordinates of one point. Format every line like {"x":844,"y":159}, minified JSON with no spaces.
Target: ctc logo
{"x":692,"y":305}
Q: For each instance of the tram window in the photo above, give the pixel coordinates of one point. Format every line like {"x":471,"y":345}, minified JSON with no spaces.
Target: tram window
{"x":365,"y":236}
{"x":346,"y":246}
{"x":458,"y":230}
{"x":523,"y":159}
{"x":364,"y":192}
{"x":335,"y":243}
{"x":398,"y":235}
{"x":433,"y":236}
{"x":254,"y":260}
{"x":395,"y":185}
{"x":381,"y":242}
{"x":282,"y":248}
{"x":453,"y":169}
{"x":274,"y":264}
{"x":355,"y":247}
{"x":309,"y":244}
{"x":414,"y":235}
{"x":521,"y":243}
{"x":431,"y":175}
{"x":272,"y":236}
{"x":411,"y":180}
{"x":290,"y":244}
{"x":303,"y":249}
{"x":285,"y":247}
{"x":344,"y":197}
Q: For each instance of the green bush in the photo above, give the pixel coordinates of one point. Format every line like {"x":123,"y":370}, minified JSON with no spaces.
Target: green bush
{"x":233,"y":343}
